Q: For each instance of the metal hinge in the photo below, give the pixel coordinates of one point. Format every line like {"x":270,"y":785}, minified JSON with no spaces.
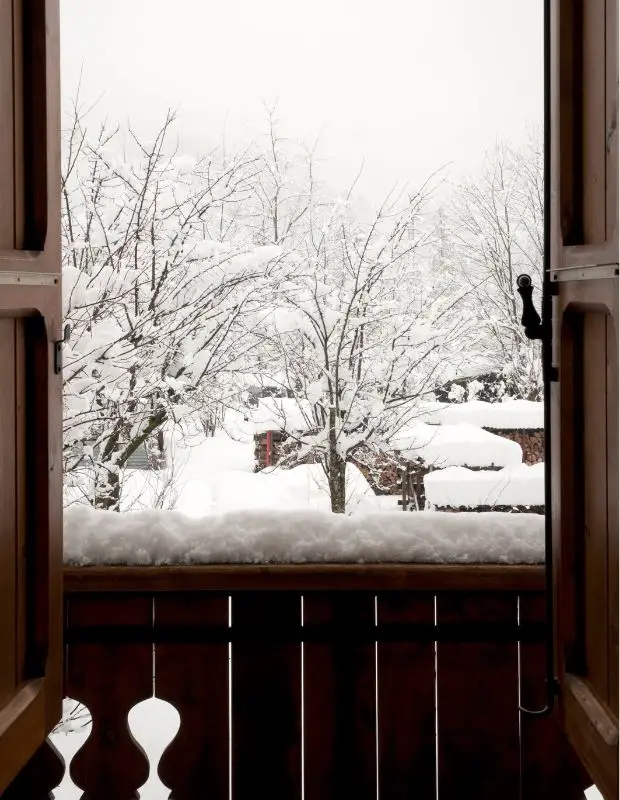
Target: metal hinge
{"x":585,"y":272}
{"x":58,"y":349}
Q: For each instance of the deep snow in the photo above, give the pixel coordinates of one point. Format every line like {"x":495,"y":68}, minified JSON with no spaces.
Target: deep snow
{"x":223,"y":511}
{"x":461,"y":444}
{"x":285,"y":536}
{"x":506,"y":415}
{"x":516,"y":485}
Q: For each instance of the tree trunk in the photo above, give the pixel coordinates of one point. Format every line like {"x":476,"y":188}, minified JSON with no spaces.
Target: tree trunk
{"x":336,"y":480}
{"x":336,"y":469}
{"x":108,"y":497}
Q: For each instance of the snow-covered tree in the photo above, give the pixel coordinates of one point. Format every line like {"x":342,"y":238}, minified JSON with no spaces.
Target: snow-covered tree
{"x":497,"y":229}
{"x":162,"y":306}
{"x":285,"y":195}
{"x":363,"y":332}
{"x":190,"y":282}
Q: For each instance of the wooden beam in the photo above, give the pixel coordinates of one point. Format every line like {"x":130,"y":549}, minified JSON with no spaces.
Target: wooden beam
{"x":306,"y":577}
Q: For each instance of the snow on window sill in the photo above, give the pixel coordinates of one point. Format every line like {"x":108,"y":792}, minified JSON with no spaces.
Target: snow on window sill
{"x":157,"y":538}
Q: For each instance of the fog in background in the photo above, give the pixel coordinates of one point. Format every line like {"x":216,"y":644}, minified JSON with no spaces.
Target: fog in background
{"x":404,"y":85}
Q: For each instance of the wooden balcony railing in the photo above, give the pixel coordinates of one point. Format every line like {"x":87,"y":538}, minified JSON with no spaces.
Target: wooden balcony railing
{"x":407,"y":684}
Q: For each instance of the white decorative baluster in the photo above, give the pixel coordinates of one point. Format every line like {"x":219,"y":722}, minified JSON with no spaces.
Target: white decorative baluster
{"x":154,"y":724}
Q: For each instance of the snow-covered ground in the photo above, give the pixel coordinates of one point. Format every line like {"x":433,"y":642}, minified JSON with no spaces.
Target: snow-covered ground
{"x":217,"y":509}
{"x":215,"y":475}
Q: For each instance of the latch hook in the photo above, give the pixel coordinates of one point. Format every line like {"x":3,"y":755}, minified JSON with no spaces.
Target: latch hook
{"x":66,"y":333}
{"x":530,"y":319}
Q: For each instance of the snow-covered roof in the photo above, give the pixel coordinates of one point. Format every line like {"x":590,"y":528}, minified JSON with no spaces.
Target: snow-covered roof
{"x":518,"y":485}
{"x":506,"y":415}
{"x":281,"y":414}
{"x":277,"y":536}
{"x":463,"y":444}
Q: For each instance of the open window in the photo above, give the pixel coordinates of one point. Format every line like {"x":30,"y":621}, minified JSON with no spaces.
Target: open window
{"x":583,"y":284}
{"x":143,"y":618}
{"x":30,"y":384}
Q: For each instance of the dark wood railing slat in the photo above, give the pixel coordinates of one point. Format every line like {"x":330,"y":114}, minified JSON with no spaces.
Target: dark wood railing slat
{"x":339,"y":703}
{"x":266,"y":702}
{"x":368,"y":695}
{"x":193,"y":677}
{"x":550,"y":767}
{"x":109,"y":679}
{"x":478,"y":730}
{"x":40,"y":776}
{"x":406,"y":692}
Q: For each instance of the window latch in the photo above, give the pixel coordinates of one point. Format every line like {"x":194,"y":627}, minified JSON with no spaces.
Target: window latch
{"x":530,"y":319}
{"x":58,"y":349}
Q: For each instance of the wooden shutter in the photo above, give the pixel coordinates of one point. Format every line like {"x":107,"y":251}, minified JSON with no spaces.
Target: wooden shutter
{"x":30,"y":388}
{"x":584,"y":398}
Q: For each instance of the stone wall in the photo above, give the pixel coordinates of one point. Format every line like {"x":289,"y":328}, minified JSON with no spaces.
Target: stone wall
{"x":381,"y":470}
{"x":384,"y":472}
{"x":532,"y":442}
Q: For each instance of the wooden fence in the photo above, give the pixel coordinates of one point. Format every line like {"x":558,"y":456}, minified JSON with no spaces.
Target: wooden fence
{"x":407,"y":683}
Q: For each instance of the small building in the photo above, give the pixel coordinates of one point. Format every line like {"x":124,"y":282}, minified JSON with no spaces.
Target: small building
{"x":521,"y":421}
{"x":517,"y":488}
{"x":478,"y":457}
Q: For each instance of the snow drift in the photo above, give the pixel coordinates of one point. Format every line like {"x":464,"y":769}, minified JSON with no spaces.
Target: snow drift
{"x":161,"y":537}
{"x":506,"y":415}
{"x":457,"y":445}
{"x":517,"y":485}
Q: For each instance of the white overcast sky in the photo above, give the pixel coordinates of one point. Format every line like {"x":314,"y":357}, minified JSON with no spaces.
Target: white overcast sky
{"x":408,"y":84}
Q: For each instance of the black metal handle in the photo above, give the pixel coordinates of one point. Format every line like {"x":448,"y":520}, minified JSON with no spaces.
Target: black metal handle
{"x":66,"y":333}
{"x":530,"y":319}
